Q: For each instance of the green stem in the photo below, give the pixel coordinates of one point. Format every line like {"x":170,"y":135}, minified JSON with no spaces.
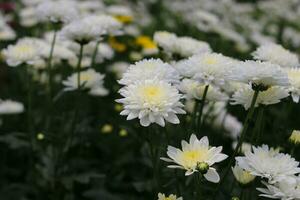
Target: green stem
{"x":194,"y":116}
{"x":201,"y":108}
{"x":95,"y":54}
{"x":29,"y":108}
{"x":241,"y":140}
{"x":258,"y":126}
{"x":79,"y":66}
{"x":49,"y":66}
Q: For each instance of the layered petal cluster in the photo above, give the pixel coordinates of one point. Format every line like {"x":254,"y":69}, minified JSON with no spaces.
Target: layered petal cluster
{"x":241,"y":175}
{"x":170,"y":197}
{"x":151,"y":101}
{"x":276,"y":54}
{"x":150,"y":69}
{"x":268,"y":163}
{"x":244,"y":95}
{"x":207,"y":68}
{"x":259,"y":73}
{"x":89,"y":79}
{"x":194,"y":153}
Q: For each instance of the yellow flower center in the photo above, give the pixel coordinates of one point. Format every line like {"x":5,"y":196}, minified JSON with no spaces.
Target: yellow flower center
{"x":210,"y":61}
{"x":192,"y":157}
{"x":152,"y":94}
{"x":85,"y":77}
{"x":146,"y":42}
{"x":125,"y":19}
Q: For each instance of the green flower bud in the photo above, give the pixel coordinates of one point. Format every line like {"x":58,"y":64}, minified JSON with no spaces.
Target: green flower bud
{"x":202,"y":167}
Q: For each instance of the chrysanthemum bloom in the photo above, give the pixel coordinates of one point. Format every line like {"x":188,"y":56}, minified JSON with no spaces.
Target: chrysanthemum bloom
{"x":10,"y":107}
{"x":90,"y":28}
{"x":150,"y":69}
{"x":241,"y":175}
{"x":152,"y":101}
{"x":57,"y":11}
{"x":208,"y":68}
{"x":165,"y":40}
{"x":272,"y":95}
{"x":89,"y":79}
{"x":276,"y":54}
{"x":284,"y":190}
{"x":269,"y":163}
{"x":170,"y":197}
{"x":295,"y":137}
{"x":26,"y":50}
{"x":294,"y":78}
{"x":196,"y":156}
{"x":194,"y":90}
{"x":261,"y":75}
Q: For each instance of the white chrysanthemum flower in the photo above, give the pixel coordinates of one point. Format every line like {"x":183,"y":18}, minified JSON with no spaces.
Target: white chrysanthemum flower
{"x":294,"y":78}
{"x":10,"y":107}
{"x":170,"y":197}
{"x":241,"y":175}
{"x":276,"y":54}
{"x":57,"y":11}
{"x":187,"y":46}
{"x":165,"y":40}
{"x":150,"y":69}
{"x":208,"y":68}
{"x":257,"y":73}
{"x":6,"y":32}
{"x":194,"y":89}
{"x":270,"y":96}
{"x":26,"y":50}
{"x":89,"y":79}
{"x":152,"y":101}
{"x":119,"y":68}
{"x":90,"y":28}
{"x":196,"y":156}
{"x":269,"y":163}
{"x":28,"y":17}
{"x":284,"y":190}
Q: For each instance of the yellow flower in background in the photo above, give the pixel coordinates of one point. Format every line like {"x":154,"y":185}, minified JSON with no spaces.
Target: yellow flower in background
{"x":148,"y":45}
{"x":107,"y":128}
{"x":116,"y":45}
{"x":295,"y":137}
{"x":125,"y":19}
{"x":123,"y":133}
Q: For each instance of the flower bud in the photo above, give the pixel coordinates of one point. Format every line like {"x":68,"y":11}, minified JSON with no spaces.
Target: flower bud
{"x":295,"y":137}
{"x":202,"y":167}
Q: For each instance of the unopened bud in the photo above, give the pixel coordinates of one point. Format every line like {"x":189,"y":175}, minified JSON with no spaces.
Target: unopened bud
{"x":202,"y":167}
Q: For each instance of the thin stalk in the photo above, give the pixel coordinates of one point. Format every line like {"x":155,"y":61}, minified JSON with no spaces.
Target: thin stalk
{"x":258,"y":126}
{"x":95,"y":54}
{"x":201,"y":108}
{"x":241,"y":140}
{"x":49,"y":66}
{"x":194,"y":117}
{"x":79,"y":66}
{"x":29,"y":108}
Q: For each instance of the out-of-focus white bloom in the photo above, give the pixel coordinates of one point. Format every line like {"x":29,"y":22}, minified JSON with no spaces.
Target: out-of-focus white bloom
{"x":241,"y":175}
{"x":294,"y":78}
{"x":183,"y":46}
{"x":90,"y":28}
{"x":89,"y":79}
{"x":284,"y":190}
{"x":26,"y":50}
{"x":245,"y":147}
{"x":270,"y":96}
{"x":119,"y":68}
{"x":269,"y":163}
{"x":90,"y":6}
{"x":259,"y":73}
{"x":10,"y":107}
{"x":150,"y":69}
{"x":57,"y":11}
{"x":276,"y":54}
{"x":196,"y":156}
{"x":152,"y":101}
{"x":28,"y":17}
{"x":85,"y":62}
{"x":170,"y":197}
{"x":7,"y":33}
{"x":194,"y":89}
{"x":208,"y":68}
{"x":295,"y":137}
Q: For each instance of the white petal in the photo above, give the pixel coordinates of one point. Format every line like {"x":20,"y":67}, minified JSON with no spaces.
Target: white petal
{"x":212,"y":175}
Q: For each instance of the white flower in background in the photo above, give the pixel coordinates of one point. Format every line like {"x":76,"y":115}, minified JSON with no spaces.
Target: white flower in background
{"x":196,"y":156}
{"x":245,"y":147}
{"x":270,"y":96}
{"x":119,"y":68}
{"x":276,"y":54}
{"x":90,"y":6}
{"x":257,"y":73}
{"x":10,"y":107}
{"x":89,"y":79}
{"x":207,"y":68}
{"x":26,"y":50}
{"x":295,"y":137}
{"x":165,"y":40}
{"x":194,"y":89}
{"x":28,"y":17}
{"x":294,"y":78}
{"x":6,"y":32}
{"x":170,"y":197}
{"x":284,"y":190}
{"x":241,"y":175}
{"x":269,"y":163}
{"x":150,"y":69}
{"x":187,"y":46}
{"x":85,"y":62}
{"x":57,"y":11}
{"x":90,"y":28}
{"x":151,"y":101}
